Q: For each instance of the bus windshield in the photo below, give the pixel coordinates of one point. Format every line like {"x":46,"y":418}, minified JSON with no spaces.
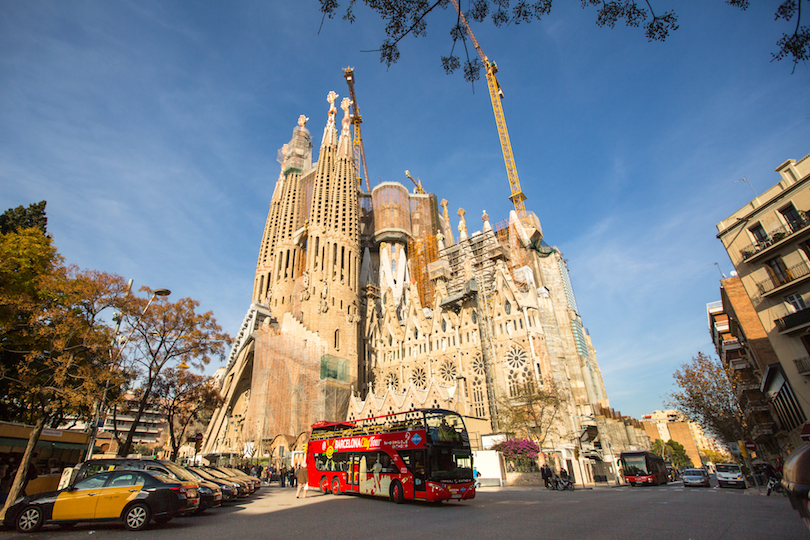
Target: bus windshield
{"x":451,"y":464}
{"x":635,"y":465}
{"x":445,"y":427}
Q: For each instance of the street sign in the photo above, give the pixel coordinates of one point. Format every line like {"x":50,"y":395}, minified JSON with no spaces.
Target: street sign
{"x":750,"y":445}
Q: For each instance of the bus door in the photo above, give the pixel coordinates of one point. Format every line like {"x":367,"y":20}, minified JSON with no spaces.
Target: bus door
{"x":353,"y":474}
{"x":416,"y":462}
{"x":419,"y":473}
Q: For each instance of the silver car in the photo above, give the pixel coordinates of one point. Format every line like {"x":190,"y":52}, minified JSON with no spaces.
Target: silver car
{"x":696,"y":477}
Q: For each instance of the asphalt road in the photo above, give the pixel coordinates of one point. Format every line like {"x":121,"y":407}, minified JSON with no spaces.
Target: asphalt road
{"x":625,"y":513}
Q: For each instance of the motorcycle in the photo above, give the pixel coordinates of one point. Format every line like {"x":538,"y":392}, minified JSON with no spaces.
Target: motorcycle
{"x":561,"y":484}
{"x":776,"y":486}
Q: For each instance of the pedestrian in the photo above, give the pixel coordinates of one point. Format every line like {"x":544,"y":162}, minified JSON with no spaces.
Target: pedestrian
{"x":545,"y":472}
{"x":253,"y":471}
{"x":302,"y":477}
{"x":476,"y":476}
{"x":291,"y":477}
{"x":283,"y":475}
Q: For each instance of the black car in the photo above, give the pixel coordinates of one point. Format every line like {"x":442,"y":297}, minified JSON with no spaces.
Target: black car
{"x":210,"y":494}
{"x":133,"y":497}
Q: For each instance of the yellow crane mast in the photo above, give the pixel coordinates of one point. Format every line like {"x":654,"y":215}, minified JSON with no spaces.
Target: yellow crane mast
{"x":356,"y":121}
{"x":495,"y":95}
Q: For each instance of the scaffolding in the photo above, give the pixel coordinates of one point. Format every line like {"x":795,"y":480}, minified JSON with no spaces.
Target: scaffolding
{"x":295,"y":383}
{"x":392,"y":216}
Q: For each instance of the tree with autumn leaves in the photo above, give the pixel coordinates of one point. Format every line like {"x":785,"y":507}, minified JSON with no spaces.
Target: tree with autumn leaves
{"x":188,"y":400}
{"x":58,"y":353}
{"x":705,"y":395}
{"x":54,"y":345}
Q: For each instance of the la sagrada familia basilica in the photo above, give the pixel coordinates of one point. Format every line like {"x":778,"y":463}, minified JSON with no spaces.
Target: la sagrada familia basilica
{"x":369,"y":301}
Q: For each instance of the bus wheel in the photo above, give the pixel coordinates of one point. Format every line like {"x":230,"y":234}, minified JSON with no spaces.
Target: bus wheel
{"x":335,"y":486}
{"x":396,"y":492}
{"x":324,"y":484}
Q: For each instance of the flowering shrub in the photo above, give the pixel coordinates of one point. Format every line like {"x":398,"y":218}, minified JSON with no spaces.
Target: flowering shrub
{"x":520,"y":453}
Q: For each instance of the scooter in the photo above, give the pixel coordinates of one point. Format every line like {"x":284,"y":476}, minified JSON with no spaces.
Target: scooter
{"x":776,"y":486}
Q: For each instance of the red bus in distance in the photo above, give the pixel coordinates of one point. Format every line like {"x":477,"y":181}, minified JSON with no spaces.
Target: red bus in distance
{"x":420,"y":455}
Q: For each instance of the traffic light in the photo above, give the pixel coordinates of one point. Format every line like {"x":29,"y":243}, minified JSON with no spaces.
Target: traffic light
{"x":576,"y":453}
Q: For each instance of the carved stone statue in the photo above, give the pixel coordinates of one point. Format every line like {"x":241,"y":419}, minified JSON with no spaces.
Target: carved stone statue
{"x":302,"y":121}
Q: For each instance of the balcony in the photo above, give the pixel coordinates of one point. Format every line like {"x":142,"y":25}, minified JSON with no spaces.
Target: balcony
{"x":803,"y":363}
{"x":794,"y":273}
{"x":762,"y":429}
{"x":774,"y":238}
{"x":793,"y":322}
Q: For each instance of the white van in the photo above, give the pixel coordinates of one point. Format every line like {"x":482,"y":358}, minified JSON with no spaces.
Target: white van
{"x":729,"y":474}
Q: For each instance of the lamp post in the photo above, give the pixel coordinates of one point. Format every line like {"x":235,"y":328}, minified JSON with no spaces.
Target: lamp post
{"x":118,"y":317}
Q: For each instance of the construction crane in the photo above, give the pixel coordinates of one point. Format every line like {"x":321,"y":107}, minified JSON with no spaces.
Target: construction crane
{"x":495,"y":94}
{"x":356,"y":121}
{"x":418,"y":183}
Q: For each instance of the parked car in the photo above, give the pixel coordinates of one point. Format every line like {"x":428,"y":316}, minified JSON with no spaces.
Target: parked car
{"x":228,"y":489}
{"x":210,"y":494}
{"x":729,"y":474}
{"x":239,"y":474}
{"x":133,"y":496}
{"x":224,"y":473}
{"x":696,"y":477}
{"x":243,"y":488}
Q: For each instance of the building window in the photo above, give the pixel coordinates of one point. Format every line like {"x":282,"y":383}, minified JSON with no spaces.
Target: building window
{"x":795,"y":302}
{"x":337,"y":339}
{"x":758,"y":233}
{"x":777,"y":271}
{"x":507,"y":307}
{"x":791,"y":216}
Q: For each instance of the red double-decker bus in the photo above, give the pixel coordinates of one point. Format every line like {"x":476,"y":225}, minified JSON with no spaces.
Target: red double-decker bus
{"x":421,"y":455}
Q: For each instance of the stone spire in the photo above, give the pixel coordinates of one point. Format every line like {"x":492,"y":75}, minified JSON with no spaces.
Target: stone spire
{"x":345,"y":142}
{"x":330,"y":131}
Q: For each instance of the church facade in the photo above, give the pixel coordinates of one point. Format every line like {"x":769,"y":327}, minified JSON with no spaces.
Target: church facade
{"x":369,"y":303}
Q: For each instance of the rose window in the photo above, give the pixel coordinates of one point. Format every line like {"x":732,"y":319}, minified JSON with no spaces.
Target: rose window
{"x":478,"y":366}
{"x":447,"y":371}
{"x":516,"y":358}
{"x":392,"y":381}
{"x":419,"y":377}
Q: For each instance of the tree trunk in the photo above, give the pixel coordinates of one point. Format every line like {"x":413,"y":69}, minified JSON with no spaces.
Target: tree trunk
{"x":22,"y":471}
{"x":123,"y":450}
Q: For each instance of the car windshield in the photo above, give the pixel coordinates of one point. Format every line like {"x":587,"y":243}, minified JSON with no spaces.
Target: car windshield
{"x":694,"y":472}
{"x":728,"y":468}
{"x":180,"y":472}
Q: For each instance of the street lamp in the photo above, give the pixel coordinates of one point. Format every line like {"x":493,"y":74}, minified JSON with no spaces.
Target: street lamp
{"x":118,"y":318}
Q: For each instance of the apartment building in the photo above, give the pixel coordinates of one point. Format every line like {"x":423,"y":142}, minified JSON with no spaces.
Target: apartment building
{"x":768,"y":242}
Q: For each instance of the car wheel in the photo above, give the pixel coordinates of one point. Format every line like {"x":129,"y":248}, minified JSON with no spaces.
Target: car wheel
{"x":136,"y":517}
{"x":396,"y":492}
{"x":324,"y":484}
{"x":335,"y":486}
{"x":30,"y":519}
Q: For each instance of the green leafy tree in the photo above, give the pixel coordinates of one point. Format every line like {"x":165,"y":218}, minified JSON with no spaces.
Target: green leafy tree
{"x":15,"y":219}
{"x":672,"y":451}
{"x":409,"y":17}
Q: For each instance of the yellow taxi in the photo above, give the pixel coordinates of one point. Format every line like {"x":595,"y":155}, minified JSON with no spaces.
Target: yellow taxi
{"x":132,"y":497}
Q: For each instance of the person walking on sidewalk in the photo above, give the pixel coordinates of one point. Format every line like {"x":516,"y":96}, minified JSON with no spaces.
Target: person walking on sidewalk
{"x":302,"y":477}
{"x":283,"y":475}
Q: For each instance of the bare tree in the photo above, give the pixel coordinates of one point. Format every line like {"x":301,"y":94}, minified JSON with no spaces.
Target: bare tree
{"x":167,"y":335}
{"x":531,"y":412}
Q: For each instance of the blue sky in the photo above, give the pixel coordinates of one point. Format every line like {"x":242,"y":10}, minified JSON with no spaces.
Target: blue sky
{"x":151,"y":128}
